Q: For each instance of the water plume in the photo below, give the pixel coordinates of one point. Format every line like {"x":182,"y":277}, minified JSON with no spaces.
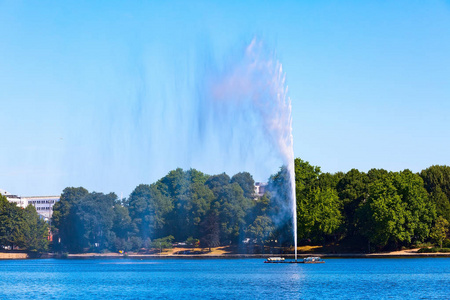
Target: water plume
{"x":248,"y":97}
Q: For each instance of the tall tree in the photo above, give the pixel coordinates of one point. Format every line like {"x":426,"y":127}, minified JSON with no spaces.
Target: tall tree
{"x":35,"y":231}
{"x":94,"y":219}
{"x":396,"y":211}
{"x":148,"y":208}
{"x":64,"y":219}
{"x":439,"y":231}
{"x":217,"y":182}
{"x":209,"y":229}
{"x":11,"y":218}
{"x":189,"y":209}
{"x":319,"y":216}
{"x":261,"y":230}
{"x":352,"y":190}
{"x":437,"y":183}
{"x":306,"y":175}
{"x":421,"y":211}
{"x":246,"y":182}
{"x":233,"y":209}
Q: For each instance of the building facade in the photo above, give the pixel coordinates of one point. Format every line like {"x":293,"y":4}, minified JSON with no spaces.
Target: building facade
{"x":43,"y":204}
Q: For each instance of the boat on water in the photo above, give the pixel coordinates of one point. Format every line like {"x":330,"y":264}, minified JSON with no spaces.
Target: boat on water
{"x":274,"y":259}
{"x":306,"y":260}
{"x":313,"y":260}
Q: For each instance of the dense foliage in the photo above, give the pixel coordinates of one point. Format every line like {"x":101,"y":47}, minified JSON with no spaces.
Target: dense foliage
{"x":22,"y":228}
{"x":366,"y":211}
{"x":181,"y":206}
{"x":370,"y":211}
{"x":375,"y":210}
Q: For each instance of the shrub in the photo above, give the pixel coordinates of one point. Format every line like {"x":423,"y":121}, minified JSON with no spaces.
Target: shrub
{"x":434,"y":250}
{"x":446,"y":243}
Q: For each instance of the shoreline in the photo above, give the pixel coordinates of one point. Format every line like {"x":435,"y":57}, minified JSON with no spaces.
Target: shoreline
{"x":412,"y":253}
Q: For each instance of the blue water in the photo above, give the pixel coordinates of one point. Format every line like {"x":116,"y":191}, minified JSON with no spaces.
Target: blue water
{"x":413,"y":278}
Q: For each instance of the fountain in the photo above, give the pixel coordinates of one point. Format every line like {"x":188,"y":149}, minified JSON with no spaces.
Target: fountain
{"x":254,"y":86}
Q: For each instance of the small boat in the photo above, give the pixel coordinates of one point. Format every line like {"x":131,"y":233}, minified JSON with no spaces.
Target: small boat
{"x":274,"y":260}
{"x":313,"y":260}
{"x":307,"y":260}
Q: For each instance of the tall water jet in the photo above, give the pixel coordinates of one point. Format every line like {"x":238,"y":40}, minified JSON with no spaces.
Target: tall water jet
{"x":251,"y":91}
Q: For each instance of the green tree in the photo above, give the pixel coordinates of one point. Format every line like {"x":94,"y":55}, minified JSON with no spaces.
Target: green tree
{"x":123,"y":228}
{"x":162,"y":243}
{"x":261,"y":230}
{"x":209,"y":229}
{"x":263,"y":206}
{"x":396,"y":210}
{"x":11,"y":218}
{"x":437,"y":183}
{"x":148,"y":208}
{"x":352,"y":191}
{"x":318,"y":214}
{"x":64,"y":219}
{"x":246,"y":182}
{"x":439,"y":231}
{"x":122,"y":224}
{"x":34,"y":231}
{"x":328,"y":180}
{"x":421,"y":211}
{"x":383,"y":215}
{"x":306,"y":179}
{"x":233,"y":208}
{"x":439,"y":198}
{"x":191,"y":200}
{"x":192,"y":242}
{"x":95,"y":215}
{"x":190,"y":208}
{"x":217,"y":182}
{"x":306,"y":175}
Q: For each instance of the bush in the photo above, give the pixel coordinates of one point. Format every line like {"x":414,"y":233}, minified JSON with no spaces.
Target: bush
{"x":162,"y":243}
{"x":192,"y":242}
{"x":418,"y":244}
{"x":434,"y":250}
{"x":446,"y":243}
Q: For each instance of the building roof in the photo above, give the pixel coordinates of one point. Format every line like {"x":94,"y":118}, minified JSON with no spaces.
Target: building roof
{"x":4,"y":193}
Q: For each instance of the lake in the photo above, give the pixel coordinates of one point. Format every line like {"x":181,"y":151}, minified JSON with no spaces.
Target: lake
{"x":412,"y":278}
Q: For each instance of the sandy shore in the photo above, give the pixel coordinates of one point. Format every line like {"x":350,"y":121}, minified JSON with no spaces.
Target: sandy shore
{"x":220,"y":252}
{"x":5,"y":255}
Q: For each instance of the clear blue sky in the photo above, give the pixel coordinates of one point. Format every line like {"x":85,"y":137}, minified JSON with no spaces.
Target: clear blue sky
{"x":98,"y":93}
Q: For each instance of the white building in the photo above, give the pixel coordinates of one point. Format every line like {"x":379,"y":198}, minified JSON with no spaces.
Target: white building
{"x":260,"y":189}
{"x":43,"y":204}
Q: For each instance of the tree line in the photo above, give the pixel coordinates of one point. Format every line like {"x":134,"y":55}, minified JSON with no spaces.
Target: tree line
{"x":362,"y":211}
{"x":377,"y":210}
{"x":183,"y":205}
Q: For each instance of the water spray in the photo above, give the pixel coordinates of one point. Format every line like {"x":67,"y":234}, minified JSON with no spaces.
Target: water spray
{"x":255,"y":85}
